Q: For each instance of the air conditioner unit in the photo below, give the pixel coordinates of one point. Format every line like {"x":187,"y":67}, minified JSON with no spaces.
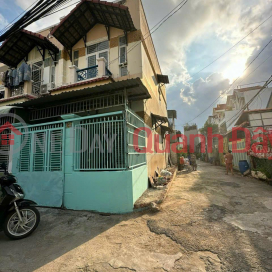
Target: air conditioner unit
{"x":123,"y":64}
{"x":44,"y":89}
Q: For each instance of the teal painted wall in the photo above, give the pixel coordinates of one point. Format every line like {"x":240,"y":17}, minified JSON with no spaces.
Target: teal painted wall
{"x":103,"y":191}
{"x":139,"y":181}
{"x":109,"y":192}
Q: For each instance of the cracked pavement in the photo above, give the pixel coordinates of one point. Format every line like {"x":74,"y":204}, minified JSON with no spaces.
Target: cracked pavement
{"x":208,"y":222}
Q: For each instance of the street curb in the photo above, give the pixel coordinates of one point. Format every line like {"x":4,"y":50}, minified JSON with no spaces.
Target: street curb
{"x":148,"y":206}
{"x":169,"y":185}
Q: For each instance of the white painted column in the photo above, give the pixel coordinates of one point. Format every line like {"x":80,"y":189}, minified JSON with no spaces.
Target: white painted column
{"x":73,"y":74}
{"x":101,"y":67}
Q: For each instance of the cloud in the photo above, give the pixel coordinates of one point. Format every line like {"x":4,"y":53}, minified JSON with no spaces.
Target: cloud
{"x":25,"y":4}
{"x":3,"y":21}
{"x":192,"y":99}
{"x":195,"y":36}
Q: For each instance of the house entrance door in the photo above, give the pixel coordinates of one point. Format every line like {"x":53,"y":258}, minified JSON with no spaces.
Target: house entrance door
{"x":40,"y":164}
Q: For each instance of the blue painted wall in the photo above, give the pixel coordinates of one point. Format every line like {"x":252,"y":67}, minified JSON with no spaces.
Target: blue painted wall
{"x":109,"y":192}
{"x":103,"y":191}
{"x":139,"y":181}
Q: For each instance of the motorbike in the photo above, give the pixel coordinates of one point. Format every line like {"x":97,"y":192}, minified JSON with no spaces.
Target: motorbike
{"x":18,"y":216}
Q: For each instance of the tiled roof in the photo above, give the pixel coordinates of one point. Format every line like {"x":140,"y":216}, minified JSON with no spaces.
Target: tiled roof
{"x":248,"y":89}
{"x":81,"y":83}
{"x":17,"y":47}
{"x":221,"y":107}
{"x":258,"y":110}
{"x":27,"y":96}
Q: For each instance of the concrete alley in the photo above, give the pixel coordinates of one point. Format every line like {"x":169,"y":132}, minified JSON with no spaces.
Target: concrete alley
{"x":208,"y":222}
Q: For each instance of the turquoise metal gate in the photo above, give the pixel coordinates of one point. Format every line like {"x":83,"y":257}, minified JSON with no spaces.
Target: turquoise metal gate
{"x":39,"y":165}
{"x":84,"y":163}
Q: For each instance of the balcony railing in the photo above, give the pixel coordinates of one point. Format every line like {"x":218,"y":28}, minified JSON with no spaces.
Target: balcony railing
{"x":91,"y":72}
{"x":17,"y":91}
{"x":87,"y":73}
{"x":108,"y":72}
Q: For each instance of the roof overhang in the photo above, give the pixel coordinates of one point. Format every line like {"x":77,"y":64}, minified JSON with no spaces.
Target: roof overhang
{"x":86,"y":15}
{"x":18,"y":46}
{"x":172,"y":114}
{"x":158,"y":120}
{"x":166,"y":129}
{"x":244,"y":124}
{"x":134,"y":89}
{"x":244,"y":116}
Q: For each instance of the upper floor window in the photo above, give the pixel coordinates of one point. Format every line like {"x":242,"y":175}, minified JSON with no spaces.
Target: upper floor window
{"x":98,"y":50}
{"x":76,"y":58}
{"x":122,"y":50}
{"x":123,"y":56}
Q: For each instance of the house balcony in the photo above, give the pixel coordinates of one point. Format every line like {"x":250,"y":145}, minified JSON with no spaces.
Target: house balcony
{"x":87,"y":77}
{"x":90,"y":73}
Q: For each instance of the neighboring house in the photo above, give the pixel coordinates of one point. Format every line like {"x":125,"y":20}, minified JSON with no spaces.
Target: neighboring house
{"x":237,"y":101}
{"x":236,"y":116}
{"x":254,"y":119}
{"x":191,"y":130}
{"x":172,"y":116}
{"x":90,"y":74}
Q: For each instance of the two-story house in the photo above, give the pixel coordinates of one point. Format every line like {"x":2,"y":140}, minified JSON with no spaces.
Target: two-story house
{"x":85,"y":88}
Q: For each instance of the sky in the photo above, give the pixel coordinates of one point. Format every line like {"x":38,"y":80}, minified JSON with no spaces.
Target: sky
{"x":190,"y":40}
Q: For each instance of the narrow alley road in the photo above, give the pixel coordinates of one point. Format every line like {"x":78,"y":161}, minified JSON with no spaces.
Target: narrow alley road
{"x":208,"y":222}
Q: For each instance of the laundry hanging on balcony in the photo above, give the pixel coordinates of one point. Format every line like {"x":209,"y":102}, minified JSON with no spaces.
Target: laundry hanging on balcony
{"x":15,"y":77}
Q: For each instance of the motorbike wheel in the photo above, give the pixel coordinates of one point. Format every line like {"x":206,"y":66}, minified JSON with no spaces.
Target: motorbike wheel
{"x":30,"y":221}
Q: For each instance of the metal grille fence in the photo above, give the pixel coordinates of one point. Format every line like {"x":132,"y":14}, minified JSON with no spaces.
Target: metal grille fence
{"x":99,"y":102}
{"x":100,"y":144}
{"x":238,"y":156}
{"x":134,"y":122}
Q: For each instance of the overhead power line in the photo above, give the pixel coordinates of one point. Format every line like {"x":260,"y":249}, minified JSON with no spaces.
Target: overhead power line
{"x":227,"y":90}
{"x":233,"y":118}
{"x":41,"y":8}
{"x":232,"y":46}
{"x":6,"y":27}
{"x":157,"y":26}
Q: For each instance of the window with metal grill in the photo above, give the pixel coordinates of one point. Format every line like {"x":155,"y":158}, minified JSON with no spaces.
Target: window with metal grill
{"x":122,"y":50}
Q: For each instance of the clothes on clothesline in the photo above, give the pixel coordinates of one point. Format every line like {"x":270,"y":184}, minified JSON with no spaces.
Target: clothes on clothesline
{"x":15,"y":77}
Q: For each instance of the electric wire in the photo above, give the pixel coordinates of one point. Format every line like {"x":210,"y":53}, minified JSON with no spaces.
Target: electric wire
{"x":232,"y":47}
{"x":10,"y":24}
{"x":157,"y":26}
{"x":233,"y":118}
{"x":228,"y":89}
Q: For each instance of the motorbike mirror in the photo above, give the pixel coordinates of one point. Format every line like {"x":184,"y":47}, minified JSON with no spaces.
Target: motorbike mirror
{"x":4,"y":166}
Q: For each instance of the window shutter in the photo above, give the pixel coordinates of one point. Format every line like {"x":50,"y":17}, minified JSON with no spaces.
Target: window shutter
{"x":92,"y":61}
{"x":122,"y":41}
{"x":76,"y":54}
{"x":25,"y":153}
{"x":39,"y":151}
{"x":55,"y":150}
{"x":104,"y":55}
{"x":124,"y":71}
{"x":53,"y":74}
{"x":92,"y":49}
{"x":103,"y":46}
{"x":123,"y":54}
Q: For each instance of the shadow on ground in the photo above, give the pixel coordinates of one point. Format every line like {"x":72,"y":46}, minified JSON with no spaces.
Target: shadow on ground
{"x":59,"y":232}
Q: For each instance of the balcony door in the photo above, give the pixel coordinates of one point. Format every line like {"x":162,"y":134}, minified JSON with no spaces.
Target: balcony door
{"x":94,"y":52}
{"x":37,"y":71}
